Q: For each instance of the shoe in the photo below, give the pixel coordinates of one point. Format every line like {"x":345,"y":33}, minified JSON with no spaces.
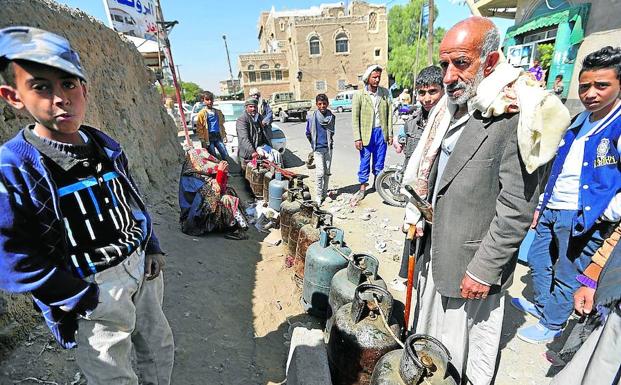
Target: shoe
{"x":538,"y":334}
{"x":525,"y":306}
{"x":398,"y":284}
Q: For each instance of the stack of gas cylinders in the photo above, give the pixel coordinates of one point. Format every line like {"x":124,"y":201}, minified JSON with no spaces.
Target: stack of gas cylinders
{"x":364,"y":324}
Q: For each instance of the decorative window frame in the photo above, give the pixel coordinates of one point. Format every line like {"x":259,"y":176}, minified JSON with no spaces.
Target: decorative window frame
{"x":308,"y":42}
{"x":348,"y":35}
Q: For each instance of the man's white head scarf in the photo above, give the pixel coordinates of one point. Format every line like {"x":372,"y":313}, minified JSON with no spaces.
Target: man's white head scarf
{"x":367,"y":73}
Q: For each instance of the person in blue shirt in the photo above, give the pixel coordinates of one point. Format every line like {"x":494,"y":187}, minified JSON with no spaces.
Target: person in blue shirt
{"x":320,"y":133}
{"x":582,"y":198}
{"x":74,"y":230}
{"x":210,"y":126}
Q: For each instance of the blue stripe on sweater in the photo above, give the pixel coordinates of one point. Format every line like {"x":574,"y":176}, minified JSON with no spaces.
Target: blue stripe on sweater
{"x":86,"y":183}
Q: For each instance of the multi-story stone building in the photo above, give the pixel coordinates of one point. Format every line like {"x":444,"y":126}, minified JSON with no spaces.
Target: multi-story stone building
{"x":321,"y":49}
{"x":230,"y":87}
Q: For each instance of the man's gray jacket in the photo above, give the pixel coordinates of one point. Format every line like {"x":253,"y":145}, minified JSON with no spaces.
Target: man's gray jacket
{"x":484,"y":206}
{"x":250,"y":135}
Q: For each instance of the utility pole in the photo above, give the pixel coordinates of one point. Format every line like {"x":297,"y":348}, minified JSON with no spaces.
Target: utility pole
{"x":228,"y":59}
{"x":430,"y":34}
{"x":180,"y":81}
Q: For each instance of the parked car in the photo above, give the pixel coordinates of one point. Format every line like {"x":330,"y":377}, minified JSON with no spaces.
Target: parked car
{"x":196,"y":108}
{"x":233,"y":109}
{"x":187,"y":109}
{"x":342,"y":101}
{"x":284,"y":106}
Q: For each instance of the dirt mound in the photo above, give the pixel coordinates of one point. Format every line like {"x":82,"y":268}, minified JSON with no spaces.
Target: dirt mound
{"x":123,"y":102}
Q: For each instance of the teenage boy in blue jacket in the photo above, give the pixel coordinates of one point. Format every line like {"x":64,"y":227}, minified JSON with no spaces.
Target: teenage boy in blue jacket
{"x":320,"y":134}
{"x":74,"y":231}
{"x":582,"y":199}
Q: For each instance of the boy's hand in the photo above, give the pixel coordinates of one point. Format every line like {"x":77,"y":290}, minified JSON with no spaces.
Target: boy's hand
{"x":153,"y":265}
{"x":358,"y":144}
{"x":583,"y":300}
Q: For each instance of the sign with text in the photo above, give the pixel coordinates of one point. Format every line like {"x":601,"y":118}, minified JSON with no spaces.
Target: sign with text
{"x":133,"y":17}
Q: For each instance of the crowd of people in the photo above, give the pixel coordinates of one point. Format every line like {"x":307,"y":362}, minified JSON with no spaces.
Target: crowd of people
{"x":490,"y":153}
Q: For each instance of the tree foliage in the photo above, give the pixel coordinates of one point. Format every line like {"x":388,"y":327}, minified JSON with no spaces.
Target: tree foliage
{"x":545,"y":51}
{"x":191,"y":91}
{"x":403,"y":32}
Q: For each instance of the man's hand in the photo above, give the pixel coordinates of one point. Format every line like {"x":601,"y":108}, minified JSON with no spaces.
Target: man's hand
{"x":390,"y":140}
{"x":535,"y":219}
{"x":153,"y":265}
{"x":225,"y":140}
{"x":583,"y":300}
{"x":223,"y":166}
{"x":471,"y":289}
{"x":358,"y":144}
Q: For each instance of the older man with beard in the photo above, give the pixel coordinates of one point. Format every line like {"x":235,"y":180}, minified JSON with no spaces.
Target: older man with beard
{"x":468,"y":168}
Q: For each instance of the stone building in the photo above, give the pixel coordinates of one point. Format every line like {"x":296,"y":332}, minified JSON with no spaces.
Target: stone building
{"x":321,"y":49}
{"x":575,"y":28}
{"x":229,"y":88}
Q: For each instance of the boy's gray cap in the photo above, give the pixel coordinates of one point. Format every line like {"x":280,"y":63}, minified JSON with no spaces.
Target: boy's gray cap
{"x":251,"y":102}
{"x":39,"y":46}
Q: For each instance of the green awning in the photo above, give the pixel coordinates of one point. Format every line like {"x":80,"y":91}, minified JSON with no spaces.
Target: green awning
{"x":578,"y":15}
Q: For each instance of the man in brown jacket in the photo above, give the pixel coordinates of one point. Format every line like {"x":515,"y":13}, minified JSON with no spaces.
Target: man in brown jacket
{"x":210,"y":127}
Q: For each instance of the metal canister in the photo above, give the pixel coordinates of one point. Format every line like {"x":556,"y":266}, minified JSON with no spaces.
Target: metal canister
{"x":309,"y":234}
{"x":359,"y":336}
{"x":298,"y":220}
{"x":250,"y":167}
{"x":267,"y":178}
{"x":323,"y":259}
{"x":289,"y":206}
{"x":362,"y":268}
{"x":424,"y":359}
{"x":256,"y":181}
{"x":276,"y":187}
{"x":298,"y":182}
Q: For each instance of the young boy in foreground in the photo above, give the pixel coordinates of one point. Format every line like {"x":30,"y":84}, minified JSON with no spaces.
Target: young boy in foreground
{"x":320,"y":132}
{"x":74,"y":231}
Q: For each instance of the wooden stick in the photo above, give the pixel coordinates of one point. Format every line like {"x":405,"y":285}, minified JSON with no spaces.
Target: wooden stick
{"x":410,"y":282}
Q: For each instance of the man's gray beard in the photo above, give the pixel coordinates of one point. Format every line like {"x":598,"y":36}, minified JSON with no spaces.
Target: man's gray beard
{"x":470,"y":89}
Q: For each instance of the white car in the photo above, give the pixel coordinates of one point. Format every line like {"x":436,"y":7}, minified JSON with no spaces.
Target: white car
{"x":233,"y":109}
{"x":187,"y":109}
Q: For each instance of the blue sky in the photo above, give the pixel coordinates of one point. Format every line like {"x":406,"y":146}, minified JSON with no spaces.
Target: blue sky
{"x":197,"y":43}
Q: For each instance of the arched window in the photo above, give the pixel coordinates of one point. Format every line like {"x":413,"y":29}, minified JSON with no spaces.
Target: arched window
{"x":252,"y":76}
{"x":313,"y":46}
{"x":342,"y":42}
{"x":266,"y":75}
{"x":277,"y":72}
{"x":250,"y":67}
{"x":372,"y":21}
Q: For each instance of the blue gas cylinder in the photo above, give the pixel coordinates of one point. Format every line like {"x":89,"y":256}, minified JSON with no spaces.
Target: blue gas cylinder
{"x":324,"y":258}
{"x":276,"y":189}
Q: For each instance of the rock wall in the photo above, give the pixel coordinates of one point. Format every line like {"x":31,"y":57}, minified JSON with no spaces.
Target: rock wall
{"x":123,"y":102}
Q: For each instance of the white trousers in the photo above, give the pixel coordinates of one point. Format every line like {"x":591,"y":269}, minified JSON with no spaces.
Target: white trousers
{"x":470,"y":329}
{"x":323,"y":162}
{"x":599,"y":359}
{"x":129,"y":315}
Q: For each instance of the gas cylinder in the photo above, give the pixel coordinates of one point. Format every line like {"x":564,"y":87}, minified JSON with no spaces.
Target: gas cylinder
{"x":276,"y":189}
{"x":309,"y":234}
{"x":289,"y":206}
{"x":256,"y":181}
{"x":359,"y":336}
{"x":323,"y":259}
{"x":424,"y":359}
{"x":362,"y":268}
{"x":250,"y":167}
{"x":267,"y":178}
{"x":298,"y":182}
{"x":298,"y":220}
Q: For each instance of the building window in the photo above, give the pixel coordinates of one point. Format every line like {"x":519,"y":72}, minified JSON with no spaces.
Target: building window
{"x":313,"y":46}
{"x":282,"y":25}
{"x":372,"y":21}
{"x":377,"y":52}
{"x":250,"y":67}
{"x":252,"y":77}
{"x":342,"y":43}
{"x":278,"y":74}
{"x":320,"y":85}
{"x":341,"y":84}
{"x":266,"y":75}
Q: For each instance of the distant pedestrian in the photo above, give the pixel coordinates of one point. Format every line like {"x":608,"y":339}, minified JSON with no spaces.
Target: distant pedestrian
{"x":210,"y":127}
{"x":536,"y":70}
{"x":582,"y":198}
{"x":74,"y":231}
{"x":263,"y":108}
{"x":405,"y":97}
{"x":558,"y":86}
{"x":372,"y":126}
{"x":320,"y":132}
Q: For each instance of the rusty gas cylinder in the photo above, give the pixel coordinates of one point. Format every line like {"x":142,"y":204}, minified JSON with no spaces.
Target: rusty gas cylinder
{"x":256,"y":181}
{"x":424,"y":360}
{"x":359,"y":337}
{"x":298,"y":182}
{"x":267,"y":178}
{"x":298,"y":220}
{"x":309,"y":234}
{"x":250,"y":166}
{"x":289,"y":206}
